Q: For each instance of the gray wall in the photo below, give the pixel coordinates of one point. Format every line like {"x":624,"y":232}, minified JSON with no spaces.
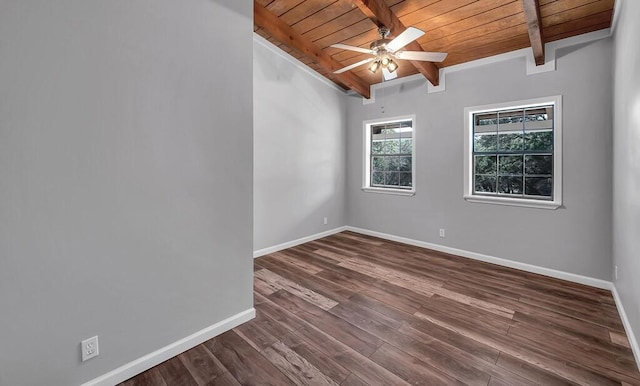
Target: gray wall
{"x":575,"y":238}
{"x":125,"y":179}
{"x":626,"y":160}
{"x":298,"y":152}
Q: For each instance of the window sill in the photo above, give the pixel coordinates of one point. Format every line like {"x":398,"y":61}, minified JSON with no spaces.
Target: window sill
{"x":397,"y":192}
{"x":514,"y":202}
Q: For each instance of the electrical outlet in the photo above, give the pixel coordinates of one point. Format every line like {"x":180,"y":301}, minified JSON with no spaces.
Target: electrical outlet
{"x":441,"y":232}
{"x":325,"y":221}
{"x":89,"y":348}
{"x":615,"y":272}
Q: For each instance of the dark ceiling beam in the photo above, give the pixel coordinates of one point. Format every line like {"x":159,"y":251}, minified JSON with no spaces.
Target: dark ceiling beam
{"x":283,"y":32}
{"x":380,"y":13}
{"x":534,"y":26}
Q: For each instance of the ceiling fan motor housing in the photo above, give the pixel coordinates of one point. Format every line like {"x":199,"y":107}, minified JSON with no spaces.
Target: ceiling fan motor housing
{"x":379,"y":45}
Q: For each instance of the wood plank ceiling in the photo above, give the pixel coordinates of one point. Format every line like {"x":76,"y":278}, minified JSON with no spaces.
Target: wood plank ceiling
{"x":466,"y":29}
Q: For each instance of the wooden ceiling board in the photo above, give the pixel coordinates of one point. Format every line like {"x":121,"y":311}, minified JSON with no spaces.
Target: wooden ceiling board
{"x":279,"y":7}
{"x":323,"y":16}
{"x":561,"y":5}
{"x":466,"y":29}
{"x":587,"y":24}
{"x":477,"y":35}
{"x":403,"y":8}
{"x":264,"y":3}
{"x":475,"y":53}
{"x":423,"y":15}
{"x":442,"y":30}
{"x":344,"y":22}
{"x":304,"y":10}
{"x":577,"y":13}
{"x":459,"y":16}
{"x":344,"y":34}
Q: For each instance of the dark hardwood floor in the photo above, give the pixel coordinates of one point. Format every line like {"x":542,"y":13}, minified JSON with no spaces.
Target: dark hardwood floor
{"x":356,"y":310}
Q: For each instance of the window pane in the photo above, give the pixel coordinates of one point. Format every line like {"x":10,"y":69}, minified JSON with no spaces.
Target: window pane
{"x":377,"y":178}
{"x":392,"y":178}
{"x":485,"y":120}
{"x":538,"y":118}
{"x":391,"y":146}
{"x":510,"y":130}
{"x":392,"y":163}
{"x":376,"y":147}
{"x":538,"y":140}
{"x":510,"y":117}
{"x":406,"y":130}
{"x":510,"y":165}
{"x":485,"y":142}
{"x":485,"y":132}
{"x":510,"y":142}
{"x":485,"y":164}
{"x":538,"y":164}
{"x":510,"y":185}
{"x":539,"y":186}
{"x":405,"y":179}
{"x":485,"y":184}
{"x":406,"y":146}
{"x":379,"y":163}
{"x":404,"y":164}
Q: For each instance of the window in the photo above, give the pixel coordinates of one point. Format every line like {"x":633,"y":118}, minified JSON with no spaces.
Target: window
{"x":389,"y":156}
{"x":513,"y":153}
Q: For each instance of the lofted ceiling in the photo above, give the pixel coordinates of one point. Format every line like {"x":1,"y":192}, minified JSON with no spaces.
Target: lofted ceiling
{"x":466,"y":29}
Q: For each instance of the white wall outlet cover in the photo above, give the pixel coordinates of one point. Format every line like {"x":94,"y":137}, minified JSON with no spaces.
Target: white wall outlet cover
{"x":89,"y":348}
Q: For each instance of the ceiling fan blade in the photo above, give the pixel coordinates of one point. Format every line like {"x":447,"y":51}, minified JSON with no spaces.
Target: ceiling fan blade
{"x":406,"y":37}
{"x":352,"y":48}
{"x":354,"y":65}
{"x":421,"y":55}
{"x":389,"y":75}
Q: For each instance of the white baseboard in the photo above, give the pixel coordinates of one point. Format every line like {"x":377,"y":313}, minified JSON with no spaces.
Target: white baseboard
{"x":590,"y":281}
{"x":146,"y":362}
{"x":627,"y":325}
{"x":289,"y":244}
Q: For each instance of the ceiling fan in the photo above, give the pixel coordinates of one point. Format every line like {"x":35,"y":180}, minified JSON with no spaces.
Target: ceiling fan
{"x":386,"y":50}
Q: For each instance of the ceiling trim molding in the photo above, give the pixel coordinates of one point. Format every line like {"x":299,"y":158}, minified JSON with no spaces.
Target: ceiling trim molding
{"x":301,"y":66}
{"x":526,"y":53}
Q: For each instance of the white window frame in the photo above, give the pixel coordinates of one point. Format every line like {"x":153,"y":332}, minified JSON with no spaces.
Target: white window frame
{"x":556,"y":101}
{"x":366,"y":177}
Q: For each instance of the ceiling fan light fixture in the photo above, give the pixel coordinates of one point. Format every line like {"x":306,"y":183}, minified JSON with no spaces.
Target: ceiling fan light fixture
{"x":374,"y":66}
{"x":392,"y":66}
{"x":385,"y":61}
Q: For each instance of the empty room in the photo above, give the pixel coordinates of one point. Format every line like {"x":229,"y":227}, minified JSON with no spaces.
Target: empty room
{"x":319,"y":192}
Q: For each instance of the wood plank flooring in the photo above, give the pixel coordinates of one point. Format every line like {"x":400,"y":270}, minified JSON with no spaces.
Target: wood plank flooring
{"x":351,"y":309}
